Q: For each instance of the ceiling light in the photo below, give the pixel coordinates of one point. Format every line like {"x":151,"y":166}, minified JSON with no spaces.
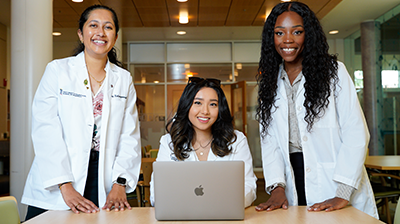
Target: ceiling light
{"x":156,"y":81}
{"x":285,"y":0}
{"x":183,"y":17}
{"x":56,"y":34}
{"x":77,"y":0}
{"x":334,"y":32}
{"x":182,"y":0}
{"x":182,"y":32}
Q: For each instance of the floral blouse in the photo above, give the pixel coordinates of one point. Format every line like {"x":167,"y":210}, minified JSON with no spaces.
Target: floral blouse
{"x":97,"y":101}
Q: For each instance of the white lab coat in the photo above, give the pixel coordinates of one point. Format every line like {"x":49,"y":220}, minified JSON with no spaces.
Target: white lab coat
{"x":62,"y":128}
{"x":333,"y":152}
{"x":240,"y":151}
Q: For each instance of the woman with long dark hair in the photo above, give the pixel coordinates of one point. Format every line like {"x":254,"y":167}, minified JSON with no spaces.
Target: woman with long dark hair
{"x":202,"y":130}
{"x":85,"y":128}
{"x":313,"y":132}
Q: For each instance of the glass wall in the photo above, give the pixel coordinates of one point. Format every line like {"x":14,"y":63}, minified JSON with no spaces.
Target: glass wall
{"x":389,"y":62}
{"x":390,"y":39}
{"x":160,"y":71}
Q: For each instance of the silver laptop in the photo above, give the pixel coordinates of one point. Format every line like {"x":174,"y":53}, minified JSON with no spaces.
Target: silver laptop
{"x":199,"y":190}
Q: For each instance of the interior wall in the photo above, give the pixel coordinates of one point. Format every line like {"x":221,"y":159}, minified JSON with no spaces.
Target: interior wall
{"x":63,"y":49}
{"x":3,"y":80}
{"x":336,"y":46}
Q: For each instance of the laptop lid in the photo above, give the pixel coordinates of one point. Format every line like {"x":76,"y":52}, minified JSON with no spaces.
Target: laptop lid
{"x":199,"y":190}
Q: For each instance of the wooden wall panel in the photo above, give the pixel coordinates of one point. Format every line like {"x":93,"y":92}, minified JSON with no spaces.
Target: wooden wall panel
{"x":213,"y":13}
{"x":243,"y":12}
{"x":165,"y":13}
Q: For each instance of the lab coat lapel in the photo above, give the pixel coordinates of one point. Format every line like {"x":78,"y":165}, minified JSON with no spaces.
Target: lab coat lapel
{"x":282,"y":104}
{"x":108,"y":88}
{"x":83,"y":84}
{"x":281,"y":91}
{"x":300,"y":91}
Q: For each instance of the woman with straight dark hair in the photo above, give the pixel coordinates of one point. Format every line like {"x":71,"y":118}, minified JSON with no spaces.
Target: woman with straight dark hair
{"x":313,"y":133}
{"x":85,"y":128}
{"x":202,"y":130}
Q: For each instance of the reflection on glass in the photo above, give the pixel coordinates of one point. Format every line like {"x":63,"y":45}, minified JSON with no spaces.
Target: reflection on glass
{"x":390,"y":79}
{"x":390,"y":120}
{"x":253,"y":134}
{"x":153,"y":73}
{"x":151,"y":109}
{"x":182,"y":72}
{"x":246,"y":71}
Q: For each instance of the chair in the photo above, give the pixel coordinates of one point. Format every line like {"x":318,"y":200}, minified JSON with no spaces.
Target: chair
{"x":146,"y":151}
{"x":153,"y":153}
{"x":9,"y":210}
{"x":397,"y":213}
{"x":383,"y":192}
{"x":143,"y":194}
{"x":133,"y":199}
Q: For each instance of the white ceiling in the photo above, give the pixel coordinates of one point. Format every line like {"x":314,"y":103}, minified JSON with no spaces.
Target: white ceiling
{"x":346,"y":17}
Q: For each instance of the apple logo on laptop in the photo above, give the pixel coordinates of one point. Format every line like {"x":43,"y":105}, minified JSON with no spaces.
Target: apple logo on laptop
{"x":199,"y":191}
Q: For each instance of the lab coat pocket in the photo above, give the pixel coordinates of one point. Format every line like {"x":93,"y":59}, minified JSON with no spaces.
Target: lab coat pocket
{"x":117,"y":113}
{"x":326,"y":185}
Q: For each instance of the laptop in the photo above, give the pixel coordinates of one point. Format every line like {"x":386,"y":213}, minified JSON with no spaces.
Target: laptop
{"x":199,"y":190}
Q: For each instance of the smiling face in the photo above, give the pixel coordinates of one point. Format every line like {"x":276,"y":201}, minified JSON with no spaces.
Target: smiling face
{"x":289,"y":36}
{"x":98,"y":33}
{"x":204,"y":111}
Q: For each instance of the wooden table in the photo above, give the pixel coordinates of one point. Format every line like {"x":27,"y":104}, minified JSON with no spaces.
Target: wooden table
{"x":294,"y":214}
{"x":383,"y":162}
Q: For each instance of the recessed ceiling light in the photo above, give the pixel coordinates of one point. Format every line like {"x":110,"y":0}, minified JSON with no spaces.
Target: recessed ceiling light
{"x":56,"y":33}
{"x":183,"y":17}
{"x":182,"y":0}
{"x":181,"y":32}
{"x":334,"y":32}
{"x":285,"y":0}
{"x":77,"y":0}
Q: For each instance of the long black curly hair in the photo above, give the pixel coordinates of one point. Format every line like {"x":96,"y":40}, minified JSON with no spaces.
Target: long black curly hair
{"x":318,"y":66}
{"x":112,"y":54}
{"x":181,"y":129}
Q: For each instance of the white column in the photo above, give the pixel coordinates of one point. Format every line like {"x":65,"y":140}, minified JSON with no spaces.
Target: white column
{"x":31,"y":50}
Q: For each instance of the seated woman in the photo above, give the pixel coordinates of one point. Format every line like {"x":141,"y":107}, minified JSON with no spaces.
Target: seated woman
{"x":202,"y":130}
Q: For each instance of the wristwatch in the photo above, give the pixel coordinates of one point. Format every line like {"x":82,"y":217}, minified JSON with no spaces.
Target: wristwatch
{"x":120,"y":181}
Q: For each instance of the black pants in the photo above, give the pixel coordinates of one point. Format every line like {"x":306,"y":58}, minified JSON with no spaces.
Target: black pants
{"x":33,"y":212}
{"x":296,"y":159}
{"x":92,"y":181}
{"x":91,"y":187}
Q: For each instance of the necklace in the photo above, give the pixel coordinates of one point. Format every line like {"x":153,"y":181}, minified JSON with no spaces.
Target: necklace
{"x":100,"y":82}
{"x":201,"y":153}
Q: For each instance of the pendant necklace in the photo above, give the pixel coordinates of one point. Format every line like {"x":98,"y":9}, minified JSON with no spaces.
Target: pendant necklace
{"x":201,"y":153}
{"x":100,"y":82}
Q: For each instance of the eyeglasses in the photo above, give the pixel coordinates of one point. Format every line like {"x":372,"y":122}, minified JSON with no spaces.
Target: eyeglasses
{"x":196,"y":80}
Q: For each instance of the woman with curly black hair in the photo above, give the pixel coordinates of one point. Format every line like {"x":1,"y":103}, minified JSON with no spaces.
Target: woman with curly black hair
{"x":202,"y":130}
{"x":314,"y":135}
